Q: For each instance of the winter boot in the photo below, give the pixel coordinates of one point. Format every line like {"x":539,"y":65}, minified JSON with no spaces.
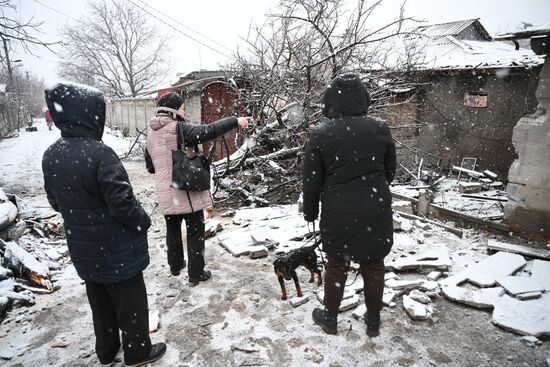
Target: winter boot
{"x":328,"y":320}
{"x":176,"y":271}
{"x":157,"y":351}
{"x":202,"y":278}
{"x":372,"y":319}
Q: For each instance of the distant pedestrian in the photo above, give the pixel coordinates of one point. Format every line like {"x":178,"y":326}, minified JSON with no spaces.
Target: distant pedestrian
{"x":349,"y":162}
{"x":105,"y":225}
{"x":178,"y":205}
{"x":49,"y":120}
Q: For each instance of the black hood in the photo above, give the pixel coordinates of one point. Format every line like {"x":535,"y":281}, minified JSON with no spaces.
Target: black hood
{"x":77,"y":110}
{"x":346,"y":96}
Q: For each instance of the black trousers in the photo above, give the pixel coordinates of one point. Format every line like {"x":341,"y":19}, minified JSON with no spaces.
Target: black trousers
{"x":120,"y":306}
{"x":336,"y":273}
{"x":194,"y":223}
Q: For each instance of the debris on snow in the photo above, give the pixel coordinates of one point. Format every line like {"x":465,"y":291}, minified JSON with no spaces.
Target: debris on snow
{"x":237,"y":242}
{"x":486,"y":272}
{"x":211,"y":227}
{"x":8,"y":210}
{"x":359,"y":312}
{"x":523,"y":317}
{"x":538,"y":253}
{"x":297,"y":301}
{"x":26,"y":266}
{"x":531,"y":341}
{"x":435,"y":258}
{"x":419,"y":296}
{"x":257,"y":251}
{"x":480,"y":298}
{"x":349,"y":303}
{"x":528,"y":296}
{"x":416,"y":310}
{"x":312,"y":354}
{"x":434,"y":275}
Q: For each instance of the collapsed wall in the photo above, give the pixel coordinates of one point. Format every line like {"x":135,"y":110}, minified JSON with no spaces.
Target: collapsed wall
{"x":528,"y":208}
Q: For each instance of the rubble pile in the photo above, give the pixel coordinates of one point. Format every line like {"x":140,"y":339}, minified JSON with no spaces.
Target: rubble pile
{"x":32,"y":252}
{"x":479,"y":194}
{"x":417,"y":273}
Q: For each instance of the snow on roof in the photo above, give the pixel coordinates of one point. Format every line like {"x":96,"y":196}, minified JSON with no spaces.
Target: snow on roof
{"x":445,"y":29}
{"x":525,"y":32}
{"x":437,"y":48}
{"x":2,"y":88}
{"x":451,"y":53}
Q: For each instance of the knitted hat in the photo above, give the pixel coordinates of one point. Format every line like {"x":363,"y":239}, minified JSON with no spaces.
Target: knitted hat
{"x":170,"y":100}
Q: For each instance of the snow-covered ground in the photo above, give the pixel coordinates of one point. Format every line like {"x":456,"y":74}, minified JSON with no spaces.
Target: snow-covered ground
{"x":21,"y":157}
{"x":237,"y":318}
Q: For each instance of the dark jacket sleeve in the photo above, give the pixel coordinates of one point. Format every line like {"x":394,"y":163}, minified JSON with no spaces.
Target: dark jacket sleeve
{"x":312,"y":178}
{"x":390,"y":160}
{"x":149,"y":162}
{"x":117,"y":191}
{"x":194,"y":134}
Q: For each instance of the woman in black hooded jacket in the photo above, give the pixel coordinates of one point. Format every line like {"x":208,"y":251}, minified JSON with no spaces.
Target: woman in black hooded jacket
{"x":349,"y":162}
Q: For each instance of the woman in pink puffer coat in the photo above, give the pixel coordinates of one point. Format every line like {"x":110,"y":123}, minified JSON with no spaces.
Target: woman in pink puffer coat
{"x":178,"y":205}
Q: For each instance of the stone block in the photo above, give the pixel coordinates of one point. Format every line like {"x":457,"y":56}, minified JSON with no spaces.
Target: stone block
{"x":486,"y":272}
{"x":297,"y":301}
{"x":416,"y":310}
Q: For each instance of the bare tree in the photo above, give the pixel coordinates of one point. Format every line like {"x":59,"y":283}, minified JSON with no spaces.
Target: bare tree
{"x":289,"y":61}
{"x":115,"y":48}
{"x":21,"y":31}
{"x":306,"y":43}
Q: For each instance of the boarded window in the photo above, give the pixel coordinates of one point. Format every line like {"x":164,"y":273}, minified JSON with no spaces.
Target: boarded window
{"x":475,"y":99}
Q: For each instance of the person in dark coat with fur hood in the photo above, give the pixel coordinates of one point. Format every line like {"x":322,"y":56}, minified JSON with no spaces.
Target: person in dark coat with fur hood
{"x":105,"y":225}
{"x":349,"y":163}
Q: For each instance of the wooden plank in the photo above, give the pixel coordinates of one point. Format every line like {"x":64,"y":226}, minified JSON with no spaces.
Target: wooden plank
{"x":518,"y":249}
{"x":468,"y":171}
{"x":484,"y":197}
{"x":455,"y":231}
{"x":490,"y":174}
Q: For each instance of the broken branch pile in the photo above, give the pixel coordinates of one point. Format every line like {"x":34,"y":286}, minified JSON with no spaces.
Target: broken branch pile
{"x":32,"y":250}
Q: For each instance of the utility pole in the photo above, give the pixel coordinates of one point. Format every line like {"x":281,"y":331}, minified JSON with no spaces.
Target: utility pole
{"x":8,"y":62}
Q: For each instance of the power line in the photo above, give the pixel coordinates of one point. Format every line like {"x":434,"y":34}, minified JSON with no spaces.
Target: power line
{"x":177,"y":30}
{"x":57,"y":11}
{"x":183,"y":25}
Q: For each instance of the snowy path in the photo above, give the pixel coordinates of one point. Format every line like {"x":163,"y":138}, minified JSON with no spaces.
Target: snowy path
{"x":21,"y":158}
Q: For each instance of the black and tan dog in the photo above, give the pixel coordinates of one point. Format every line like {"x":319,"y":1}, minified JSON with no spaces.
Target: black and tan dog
{"x":285,"y":267}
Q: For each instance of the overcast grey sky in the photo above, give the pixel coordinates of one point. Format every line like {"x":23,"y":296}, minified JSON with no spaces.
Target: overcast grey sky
{"x":226,"y":21}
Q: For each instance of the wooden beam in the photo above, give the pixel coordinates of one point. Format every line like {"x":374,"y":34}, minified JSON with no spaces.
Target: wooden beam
{"x":518,"y":249}
{"x":452,"y":230}
{"x":484,"y":197}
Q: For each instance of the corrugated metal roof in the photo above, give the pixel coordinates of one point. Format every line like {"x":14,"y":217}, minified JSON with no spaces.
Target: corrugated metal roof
{"x":431,"y":48}
{"x":445,"y":29}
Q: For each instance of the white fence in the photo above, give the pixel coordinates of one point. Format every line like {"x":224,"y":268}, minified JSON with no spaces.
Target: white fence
{"x":129,"y":114}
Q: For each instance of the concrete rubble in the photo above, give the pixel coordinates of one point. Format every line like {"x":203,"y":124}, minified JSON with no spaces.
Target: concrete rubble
{"x":526,"y":314}
{"x":416,"y":310}
{"x":486,"y":272}
{"x":281,"y":229}
{"x":435,"y":258}
{"x":297,"y":301}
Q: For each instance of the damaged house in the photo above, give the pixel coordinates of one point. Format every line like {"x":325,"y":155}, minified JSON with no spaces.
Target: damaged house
{"x":210,"y":96}
{"x":470,"y":92}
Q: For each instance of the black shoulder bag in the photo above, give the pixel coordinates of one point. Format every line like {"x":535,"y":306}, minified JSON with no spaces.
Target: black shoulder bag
{"x":189,"y":173}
